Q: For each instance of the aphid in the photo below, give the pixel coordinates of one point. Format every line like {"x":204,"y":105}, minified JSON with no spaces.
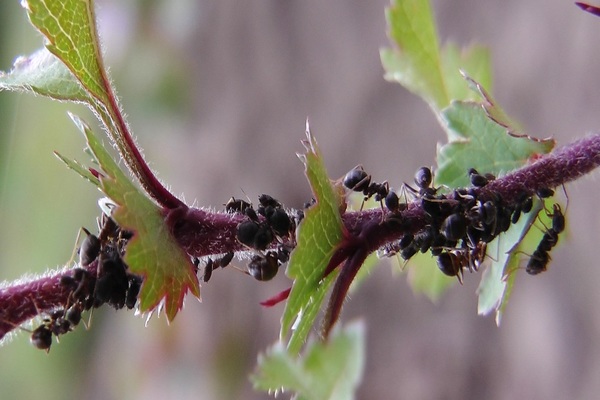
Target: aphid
{"x":406,"y":240}
{"x":264,"y":268}
{"x":409,"y":251}
{"x":489,"y":213}
{"x":246,"y":232}
{"x":135,"y":284}
{"x":280,"y":222}
{"x":90,"y":249}
{"x":250,"y":213}
{"x":267,"y":201}
{"x":477,"y":180}
{"x":208,"y":270}
{"x":544,"y":192}
{"x":226,"y":259}
{"x":112,"y":283}
{"x":263,"y":237}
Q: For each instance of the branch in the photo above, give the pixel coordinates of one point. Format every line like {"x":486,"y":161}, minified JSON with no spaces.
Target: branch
{"x":204,"y":233}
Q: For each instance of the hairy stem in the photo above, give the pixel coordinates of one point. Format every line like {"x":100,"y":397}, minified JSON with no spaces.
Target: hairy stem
{"x":204,"y":233}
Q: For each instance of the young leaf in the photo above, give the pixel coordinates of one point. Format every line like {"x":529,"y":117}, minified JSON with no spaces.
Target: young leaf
{"x":415,"y":63}
{"x":319,"y":234}
{"x":330,"y":370}
{"x":44,"y":74}
{"x":70,"y":30}
{"x":152,"y":253}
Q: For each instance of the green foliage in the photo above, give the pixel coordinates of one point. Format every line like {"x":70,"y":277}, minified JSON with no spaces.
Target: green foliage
{"x":417,"y":63}
{"x":70,"y":29}
{"x":480,"y":134}
{"x":44,"y":74}
{"x":319,"y":235}
{"x":330,"y":370}
{"x":153,"y":252}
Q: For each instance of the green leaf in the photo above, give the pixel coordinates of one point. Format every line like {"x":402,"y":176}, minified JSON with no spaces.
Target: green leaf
{"x":330,"y":370}
{"x":494,"y":288}
{"x":319,"y":235}
{"x":153,"y":252}
{"x":475,"y":141}
{"x":415,"y":62}
{"x":70,"y":30}
{"x":474,"y":60}
{"x":42,"y":73}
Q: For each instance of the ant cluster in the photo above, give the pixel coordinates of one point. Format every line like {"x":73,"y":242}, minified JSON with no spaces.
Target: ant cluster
{"x":268,"y":223}
{"x":460,"y":224}
{"x":112,"y":284}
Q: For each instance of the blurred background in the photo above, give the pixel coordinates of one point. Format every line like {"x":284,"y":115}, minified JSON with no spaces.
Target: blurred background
{"x":217,"y":93}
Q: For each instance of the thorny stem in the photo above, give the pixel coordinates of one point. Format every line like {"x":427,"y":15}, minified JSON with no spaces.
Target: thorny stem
{"x":203,"y":233}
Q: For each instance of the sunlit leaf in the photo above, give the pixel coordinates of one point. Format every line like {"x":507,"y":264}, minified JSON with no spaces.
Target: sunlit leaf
{"x":319,"y":234}
{"x":415,"y":60}
{"x":330,"y":370}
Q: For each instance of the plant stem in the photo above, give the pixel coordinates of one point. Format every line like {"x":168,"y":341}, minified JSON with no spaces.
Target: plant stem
{"x":204,"y":233}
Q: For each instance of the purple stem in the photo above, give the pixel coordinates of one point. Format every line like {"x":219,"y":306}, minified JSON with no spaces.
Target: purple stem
{"x":203,"y":233}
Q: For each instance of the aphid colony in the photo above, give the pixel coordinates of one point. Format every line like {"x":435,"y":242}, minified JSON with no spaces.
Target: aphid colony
{"x":267,"y":224}
{"x":459,"y":224}
{"x":113,"y":284}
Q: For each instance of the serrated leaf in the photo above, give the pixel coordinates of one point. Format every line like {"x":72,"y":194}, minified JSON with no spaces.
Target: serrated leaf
{"x":474,"y":60}
{"x":80,"y":169}
{"x":330,"y":370}
{"x":44,"y":74}
{"x":70,"y":30}
{"x":503,"y":259}
{"x":475,"y":141}
{"x":152,"y":253}
{"x":319,"y":234}
{"x":415,"y":62}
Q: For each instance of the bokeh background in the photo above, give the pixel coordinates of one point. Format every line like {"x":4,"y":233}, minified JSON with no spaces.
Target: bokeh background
{"x":217,"y":93}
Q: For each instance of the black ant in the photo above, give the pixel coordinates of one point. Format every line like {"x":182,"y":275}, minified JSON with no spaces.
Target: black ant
{"x":358,"y":180}
{"x":234,"y":205}
{"x":451,"y":265}
{"x":89,"y":249}
{"x":211,"y":265}
{"x":539,"y":259}
{"x":264,"y":268}
{"x":479,"y":180}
